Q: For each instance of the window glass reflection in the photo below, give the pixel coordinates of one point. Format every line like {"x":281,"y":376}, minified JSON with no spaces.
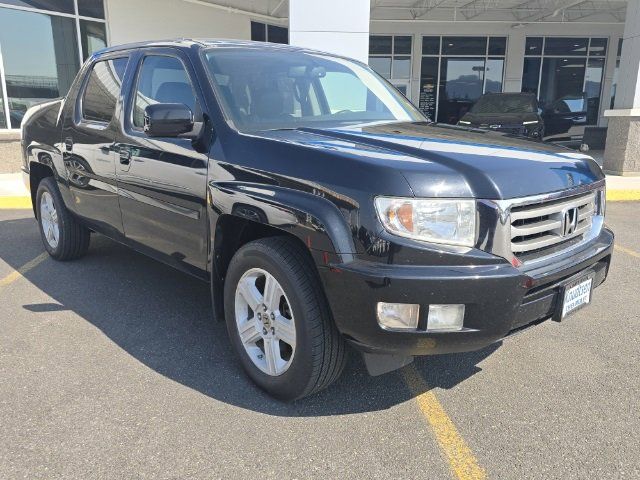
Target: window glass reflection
{"x":401,"y":67}
{"x":464,"y":45}
{"x":461,"y":83}
{"x":493,"y":73}
{"x":565,"y":46}
{"x":38,"y":66}
{"x":93,"y":37}
{"x":91,"y":8}
{"x":531,"y":74}
{"x":62,"y":6}
{"x":277,"y":34}
{"x":382,"y":65}
{"x":379,"y":44}
{"x":561,"y":78}
{"x":430,"y":45}
{"x":103,"y":89}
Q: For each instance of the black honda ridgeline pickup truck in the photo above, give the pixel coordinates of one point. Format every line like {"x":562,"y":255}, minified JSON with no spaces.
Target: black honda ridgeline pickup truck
{"x":321,"y":206}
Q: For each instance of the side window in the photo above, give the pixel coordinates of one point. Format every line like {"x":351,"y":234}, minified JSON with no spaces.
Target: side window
{"x":162,"y":79}
{"x":102,"y":90}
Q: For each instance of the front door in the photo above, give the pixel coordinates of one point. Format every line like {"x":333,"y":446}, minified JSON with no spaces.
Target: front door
{"x":88,"y":135}
{"x":162,"y":181}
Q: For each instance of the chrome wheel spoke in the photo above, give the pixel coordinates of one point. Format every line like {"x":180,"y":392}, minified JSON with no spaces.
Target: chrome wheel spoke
{"x":249,"y":333}
{"x":250,"y":293}
{"x":285,"y":330}
{"x":272,"y":293}
{"x":272,"y":355}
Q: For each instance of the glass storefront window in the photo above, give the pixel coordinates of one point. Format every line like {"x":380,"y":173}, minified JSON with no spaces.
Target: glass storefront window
{"x":93,"y":36}
{"x":493,"y":75}
{"x":461,"y":83}
{"x":91,"y":8}
{"x":464,"y":45}
{"x":567,"y":78}
{"x":452,"y":81}
{"x":262,"y":32}
{"x":498,"y":46}
{"x":390,"y":56}
{"x":531,"y":74}
{"x":61,"y":6}
{"x":533,"y":46}
{"x":598,"y":47}
{"x":38,"y":66}
{"x":565,"y":46}
{"x":430,"y":45}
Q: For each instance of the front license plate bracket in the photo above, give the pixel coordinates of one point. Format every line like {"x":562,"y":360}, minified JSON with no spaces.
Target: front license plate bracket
{"x":574,"y":295}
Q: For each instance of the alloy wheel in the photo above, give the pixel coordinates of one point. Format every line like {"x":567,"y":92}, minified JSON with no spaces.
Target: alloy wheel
{"x":265,"y":321}
{"x":49,"y":220}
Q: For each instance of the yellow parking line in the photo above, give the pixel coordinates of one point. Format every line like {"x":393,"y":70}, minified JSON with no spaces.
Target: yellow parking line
{"x":461,"y":459}
{"x":623,"y":195}
{"x":628,"y":251}
{"x":15,"y":203}
{"x":16,"y":274}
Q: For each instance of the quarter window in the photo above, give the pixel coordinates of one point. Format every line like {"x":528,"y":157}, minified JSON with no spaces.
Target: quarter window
{"x":163,"y":79}
{"x":103,"y":89}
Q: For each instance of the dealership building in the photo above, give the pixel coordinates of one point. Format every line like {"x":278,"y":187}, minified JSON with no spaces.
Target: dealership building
{"x":582,"y":56}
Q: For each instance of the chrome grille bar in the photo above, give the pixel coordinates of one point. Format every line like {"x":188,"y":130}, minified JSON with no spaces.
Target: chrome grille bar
{"x":540,"y":225}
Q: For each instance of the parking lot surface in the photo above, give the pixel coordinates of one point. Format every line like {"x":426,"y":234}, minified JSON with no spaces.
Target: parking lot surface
{"x":112,"y":367}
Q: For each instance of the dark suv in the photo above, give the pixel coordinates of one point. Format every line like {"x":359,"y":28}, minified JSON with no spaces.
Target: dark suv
{"x":321,"y":206}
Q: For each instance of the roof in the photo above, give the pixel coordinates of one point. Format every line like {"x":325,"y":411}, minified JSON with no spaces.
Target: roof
{"x":200,"y":42}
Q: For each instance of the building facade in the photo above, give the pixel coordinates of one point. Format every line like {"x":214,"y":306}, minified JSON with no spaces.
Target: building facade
{"x":443,"y":55}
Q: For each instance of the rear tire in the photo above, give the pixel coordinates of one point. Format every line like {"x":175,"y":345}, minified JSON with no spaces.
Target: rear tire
{"x":63,"y":236}
{"x":309,"y":350}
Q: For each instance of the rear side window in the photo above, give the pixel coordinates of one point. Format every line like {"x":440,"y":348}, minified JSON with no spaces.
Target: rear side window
{"x":102,"y":90}
{"x":163,"y":79}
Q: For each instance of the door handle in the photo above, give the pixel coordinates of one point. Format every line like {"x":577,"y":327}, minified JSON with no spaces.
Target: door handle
{"x":125,"y":155}
{"x":68,"y":144}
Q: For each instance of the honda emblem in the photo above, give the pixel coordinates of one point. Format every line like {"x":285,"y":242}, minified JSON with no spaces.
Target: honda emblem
{"x":569,"y":221}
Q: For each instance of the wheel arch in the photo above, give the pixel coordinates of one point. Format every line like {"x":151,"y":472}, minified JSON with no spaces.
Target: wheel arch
{"x":241,"y":213}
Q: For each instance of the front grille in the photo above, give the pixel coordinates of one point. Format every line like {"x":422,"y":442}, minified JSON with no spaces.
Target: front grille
{"x":540,"y":227}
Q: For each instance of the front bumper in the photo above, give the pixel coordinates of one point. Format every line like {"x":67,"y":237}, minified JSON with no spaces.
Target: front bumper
{"x":499,"y":298}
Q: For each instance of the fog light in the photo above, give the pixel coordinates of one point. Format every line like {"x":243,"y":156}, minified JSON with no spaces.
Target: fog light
{"x":398,"y":315}
{"x":445,"y":317}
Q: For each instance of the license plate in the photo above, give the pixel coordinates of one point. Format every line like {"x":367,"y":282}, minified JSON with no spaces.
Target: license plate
{"x":576,"y":295}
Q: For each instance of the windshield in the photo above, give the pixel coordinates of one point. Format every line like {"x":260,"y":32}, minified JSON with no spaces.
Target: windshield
{"x":505,"y":104}
{"x":269,"y":89}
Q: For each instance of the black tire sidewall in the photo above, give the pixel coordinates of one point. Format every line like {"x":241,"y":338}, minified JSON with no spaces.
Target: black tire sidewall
{"x":294,"y":381}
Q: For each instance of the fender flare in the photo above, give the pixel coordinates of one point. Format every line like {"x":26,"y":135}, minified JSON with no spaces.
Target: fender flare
{"x":315,"y":220}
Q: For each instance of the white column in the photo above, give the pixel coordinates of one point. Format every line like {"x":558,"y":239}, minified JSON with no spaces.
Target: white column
{"x":622,"y":152}
{"x":515,"y":61}
{"x":335,"y":26}
{"x":628,"y":90}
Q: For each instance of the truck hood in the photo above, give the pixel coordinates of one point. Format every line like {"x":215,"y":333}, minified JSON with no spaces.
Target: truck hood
{"x":448,"y":161}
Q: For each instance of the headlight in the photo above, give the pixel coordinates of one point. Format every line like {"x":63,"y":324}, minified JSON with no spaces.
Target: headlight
{"x":450,"y":222}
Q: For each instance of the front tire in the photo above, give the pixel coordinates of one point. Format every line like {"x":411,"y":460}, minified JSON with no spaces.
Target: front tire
{"x":63,"y":237}
{"x":279,"y":321}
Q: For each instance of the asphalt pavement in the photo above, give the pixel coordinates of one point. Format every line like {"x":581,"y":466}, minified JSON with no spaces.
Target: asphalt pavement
{"x":112,"y":367}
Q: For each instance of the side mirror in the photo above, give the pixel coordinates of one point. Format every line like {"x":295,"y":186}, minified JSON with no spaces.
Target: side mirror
{"x":167,"y":120}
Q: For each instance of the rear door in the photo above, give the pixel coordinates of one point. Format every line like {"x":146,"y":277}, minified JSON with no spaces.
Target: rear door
{"x":162,"y":181}
{"x":88,"y":137}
